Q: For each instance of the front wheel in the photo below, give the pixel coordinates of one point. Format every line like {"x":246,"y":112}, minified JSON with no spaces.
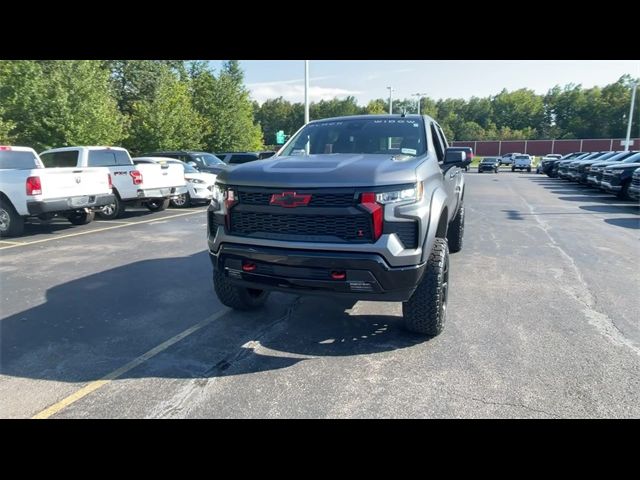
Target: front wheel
{"x":113,"y":210}
{"x":181,"y":201}
{"x":624,"y":193}
{"x":529,"y":169}
{"x":236,"y":297}
{"x":426,"y":311}
{"x":158,"y":205}
{"x":81,"y":217}
{"x":11,"y":224}
{"x":513,"y":169}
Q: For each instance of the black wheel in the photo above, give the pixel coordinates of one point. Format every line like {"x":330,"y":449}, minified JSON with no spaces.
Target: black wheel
{"x":529,"y":169}
{"x":479,"y":171}
{"x":624,"y":193}
{"x":158,"y":205}
{"x":238,"y":298}
{"x":426,"y":311}
{"x":113,"y":210}
{"x":495,"y":170}
{"x":456,"y":231}
{"x":181,"y":201}
{"x":81,"y":217}
{"x":11,"y":224}
{"x":513,"y":169}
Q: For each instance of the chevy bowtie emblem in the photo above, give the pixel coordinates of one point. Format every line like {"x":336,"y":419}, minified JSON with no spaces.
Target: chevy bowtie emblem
{"x":290,"y":199}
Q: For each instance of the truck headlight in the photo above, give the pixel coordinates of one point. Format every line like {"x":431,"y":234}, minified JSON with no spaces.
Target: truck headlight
{"x":617,"y":173}
{"x":195,"y":180}
{"x":407,"y":195}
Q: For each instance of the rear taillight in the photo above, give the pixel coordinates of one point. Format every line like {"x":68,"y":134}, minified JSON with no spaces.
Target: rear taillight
{"x":368,"y":202}
{"x":5,"y":147}
{"x":34,"y":187}
{"x":136,"y":175}
{"x":110,"y":182}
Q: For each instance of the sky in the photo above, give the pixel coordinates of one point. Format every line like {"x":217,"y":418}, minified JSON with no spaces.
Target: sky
{"x":368,"y":79}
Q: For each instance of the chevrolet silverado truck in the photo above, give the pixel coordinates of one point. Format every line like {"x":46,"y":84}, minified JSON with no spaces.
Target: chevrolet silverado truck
{"x":617,"y":178}
{"x":634,"y":188}
{"x":151,"y":186}
{"x":29,"y":190}
{"x":363,"y":207}
{"x":521,"y":162}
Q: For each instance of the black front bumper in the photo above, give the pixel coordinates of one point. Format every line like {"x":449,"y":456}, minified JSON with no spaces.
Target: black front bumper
{"x":69,"y":203}
{"x":366,"y":276}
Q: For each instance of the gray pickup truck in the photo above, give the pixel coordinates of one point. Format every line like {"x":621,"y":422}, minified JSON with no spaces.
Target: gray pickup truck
{"x":363,"y":207}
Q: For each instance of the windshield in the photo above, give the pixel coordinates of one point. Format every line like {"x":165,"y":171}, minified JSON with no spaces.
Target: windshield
{"x":208,"y":159}
{"x":633,"y":158}
{"x":393,"y":136}
{"x":489,"y":160}
{"x":522,"y":157}
{"x":187,"y":168}
{"x":18,"y":160}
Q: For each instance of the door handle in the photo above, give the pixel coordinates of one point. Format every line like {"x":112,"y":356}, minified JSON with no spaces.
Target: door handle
{"x":451,"y":175}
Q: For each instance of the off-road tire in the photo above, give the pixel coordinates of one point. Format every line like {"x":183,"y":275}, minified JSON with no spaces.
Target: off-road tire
{"x":236,"y":297}
{"x":455,"y":233}
{"x":81,"y":218}
{"x":12,"y":222}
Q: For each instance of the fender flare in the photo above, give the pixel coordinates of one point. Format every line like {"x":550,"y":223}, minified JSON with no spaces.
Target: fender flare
{"x":438,"y":208}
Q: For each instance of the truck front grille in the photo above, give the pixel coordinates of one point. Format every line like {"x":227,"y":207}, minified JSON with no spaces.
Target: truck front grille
{"x":607,"y":176}
{"x":348,"y":228}
{"x":263,"y":197}
{"x":636,"y":181}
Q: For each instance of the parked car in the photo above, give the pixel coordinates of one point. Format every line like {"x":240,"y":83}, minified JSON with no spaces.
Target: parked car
{"x":634,"y":188}
{"x":28,"y":189}
{"x":616,"y":178}
{"x":237,"y":158}
{"x":521,"y":162}
{"x":489,"y":164}
{"x":561,"y":168}
{"x":547,"y":158}
{"x":151,"y":186}
{"x":579,"y":170}
{"x":550,"y":167}
{"x":571,"y":174}
{"x":594,"y":177}
{"x":375,"y":220}
{"x":203,"y":161}
{"x":507,"y":158}
{"x":200,"y":184}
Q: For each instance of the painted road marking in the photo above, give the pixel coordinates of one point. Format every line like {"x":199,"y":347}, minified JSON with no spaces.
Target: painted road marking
{"x":11,"y":243}
{"x":96,"y":384}
{"x":99,"y":230}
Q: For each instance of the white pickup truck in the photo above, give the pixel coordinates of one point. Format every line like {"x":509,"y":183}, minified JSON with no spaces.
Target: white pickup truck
{"x":152,"y":185}
{"x":27,"y":189}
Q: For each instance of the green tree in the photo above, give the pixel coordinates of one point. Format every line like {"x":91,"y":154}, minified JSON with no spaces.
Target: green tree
{"x":59,"y":103}
{"x":334,"y":108}
{"x":377,"y":107}
{"x":168,"y":121}
{"x":518,"y":109}
{"x":5,"y":129}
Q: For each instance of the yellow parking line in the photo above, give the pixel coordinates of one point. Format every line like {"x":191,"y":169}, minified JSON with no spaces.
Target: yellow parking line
{"x":96,"y":384}
{"x":12,"y":243}
{"x":97,"y":230}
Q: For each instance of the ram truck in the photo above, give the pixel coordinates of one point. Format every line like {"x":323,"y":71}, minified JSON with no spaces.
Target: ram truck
{"x":362,"y":207}
{"x":28,"y":190}
{"x":151,"y":186}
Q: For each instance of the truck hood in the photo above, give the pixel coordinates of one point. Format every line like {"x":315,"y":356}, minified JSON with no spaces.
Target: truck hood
{"x":326,"y":170}
{"x":622,"y":166}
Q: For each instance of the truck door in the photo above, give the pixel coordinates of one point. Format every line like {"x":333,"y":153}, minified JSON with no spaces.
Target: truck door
{"x":449,"y":176}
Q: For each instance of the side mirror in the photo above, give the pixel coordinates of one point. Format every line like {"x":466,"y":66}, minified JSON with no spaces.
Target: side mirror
{"x":455,"y":158}
{"x":192,"y":164}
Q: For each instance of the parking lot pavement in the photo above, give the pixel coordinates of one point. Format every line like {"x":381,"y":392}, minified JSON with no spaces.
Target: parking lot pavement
{"x":542,"y":322}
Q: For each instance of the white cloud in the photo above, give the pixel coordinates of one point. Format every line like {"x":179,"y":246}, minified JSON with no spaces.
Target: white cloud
{"x":294,"y":91}
{"x":295,"y":80}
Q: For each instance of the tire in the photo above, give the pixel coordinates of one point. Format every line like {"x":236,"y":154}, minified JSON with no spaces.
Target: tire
{"x":529,"y":169}
{"x":181,"y":201}
{"x":496,"y":170}
{"x":112,"y":211}
{"x":426,"y":311}
{"x":11,"y":224}
{"x":513,"y":169}
{"x":81,"y":217}
{"x":238,"y":298}
{"x":455,"y":233}
{"x":158,"y":205}
{"x":624,"y":193}
{"x":479,"y":171}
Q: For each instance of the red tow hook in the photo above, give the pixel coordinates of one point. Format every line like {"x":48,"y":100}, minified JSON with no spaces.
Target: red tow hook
{"x":338,"y":274}
{"x":248,"y":266}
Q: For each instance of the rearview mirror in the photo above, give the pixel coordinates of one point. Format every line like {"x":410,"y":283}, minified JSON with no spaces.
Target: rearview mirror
{"x":456,"y":158}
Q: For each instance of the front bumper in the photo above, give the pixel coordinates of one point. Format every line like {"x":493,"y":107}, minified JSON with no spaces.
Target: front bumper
{"x":199,"y":191}
{"x":366,"y":275}
{"x":609,"y":187}
{"x":38,"y":207}
{"x":634,"y":192}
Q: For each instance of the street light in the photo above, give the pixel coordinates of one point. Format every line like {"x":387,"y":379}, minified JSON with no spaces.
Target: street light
{"x":419,"y":95}
{"x":306,"y":92}
{"x":391,"y":89}
{"x":633,"y":99}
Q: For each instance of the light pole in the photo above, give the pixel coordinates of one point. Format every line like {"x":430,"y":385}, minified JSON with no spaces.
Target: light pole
{"x":391,"y":89}
{"x":419,"y":95}
{"x":633,"y":99}
{"x":306,"y":92}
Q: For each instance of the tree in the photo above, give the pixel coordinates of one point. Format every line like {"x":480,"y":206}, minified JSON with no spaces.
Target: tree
{"x":167,"y":121}
{"x":334,"y":108}
{"x":276,"y":114}
{"x":5,"y":129}
{"x":59,"y":103}
{"x":377,"y":107}
{"x":518,"y":109}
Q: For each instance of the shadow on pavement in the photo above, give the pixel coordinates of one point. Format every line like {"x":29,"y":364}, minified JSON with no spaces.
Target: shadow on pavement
{"x":633,"y":223}
{"x":93,"y":325}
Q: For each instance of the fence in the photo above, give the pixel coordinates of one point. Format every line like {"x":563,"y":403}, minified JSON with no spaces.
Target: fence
{"x":543,"y":147}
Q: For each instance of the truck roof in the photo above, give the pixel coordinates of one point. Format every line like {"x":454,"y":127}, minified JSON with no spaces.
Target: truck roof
{"x":66,"y":149}
{"x":373,"y":117}
{"x":16,"y":149}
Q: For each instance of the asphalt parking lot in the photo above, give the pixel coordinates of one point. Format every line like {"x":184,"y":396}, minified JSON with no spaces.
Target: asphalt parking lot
{"x":118,"y":319}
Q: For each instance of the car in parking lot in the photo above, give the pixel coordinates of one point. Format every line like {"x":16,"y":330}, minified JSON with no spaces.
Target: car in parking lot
{"x":203,"y":161}
{"x":28,"y":189}
{"x":547,"y":158}
{"x":579,"y":170}
{"x":489,"y":164}
{"x":634,"y":188}
{"x":237,"y":158}
{"x":507,"y":158}
{"x":594,"y":177}
{"x":521,"y":162}
{"x":550,"y":167}
{"x":199,"y":184}
{"x":617,"y":178}
{"x":561,"y":168}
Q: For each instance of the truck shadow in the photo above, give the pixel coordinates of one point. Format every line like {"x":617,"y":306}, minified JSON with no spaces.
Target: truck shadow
{"x":93,"y":325}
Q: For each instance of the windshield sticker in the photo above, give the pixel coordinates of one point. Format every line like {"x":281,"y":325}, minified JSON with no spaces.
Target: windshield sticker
{"x":409,"y":151}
